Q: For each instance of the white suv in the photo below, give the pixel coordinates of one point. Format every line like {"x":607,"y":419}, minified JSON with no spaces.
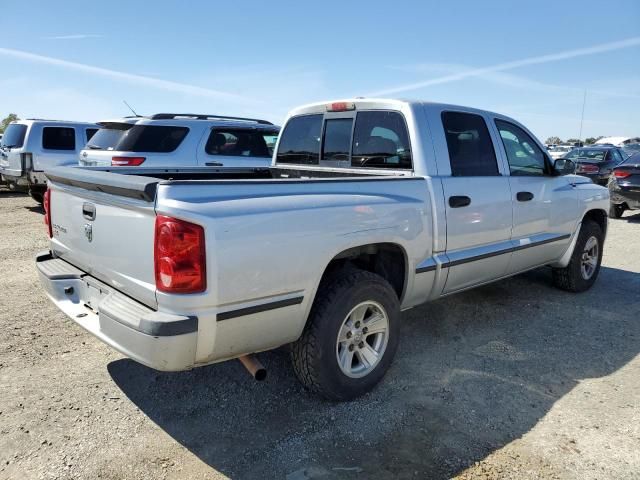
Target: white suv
{"x":28,"y":147}
{"x":178,"y":139}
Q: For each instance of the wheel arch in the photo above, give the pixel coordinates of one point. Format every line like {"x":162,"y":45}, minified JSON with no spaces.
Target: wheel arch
{"x":599,"y":216}
{"x":387,"y":259}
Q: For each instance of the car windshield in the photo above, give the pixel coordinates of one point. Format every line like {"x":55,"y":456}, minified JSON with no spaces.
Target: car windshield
{"x":107,"y":137}
{"x":14,"y":136}
{"x":631,"y":148}
{"x":590,"y":154}
{"x":632,"y":160}
{"x":560,"y":149}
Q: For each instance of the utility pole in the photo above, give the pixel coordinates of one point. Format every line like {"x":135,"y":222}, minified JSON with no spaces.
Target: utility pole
{"x":584,"y":101}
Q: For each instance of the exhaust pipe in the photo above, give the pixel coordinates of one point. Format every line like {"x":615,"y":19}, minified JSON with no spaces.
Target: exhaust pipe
{"x":254,"y":367}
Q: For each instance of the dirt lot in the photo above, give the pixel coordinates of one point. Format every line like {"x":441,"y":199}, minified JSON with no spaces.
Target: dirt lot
{"x":512,"y":380}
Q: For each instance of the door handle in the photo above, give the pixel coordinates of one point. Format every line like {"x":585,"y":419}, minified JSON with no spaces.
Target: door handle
{"x":524,"y":196}
{"x":213,"y":164}
{"x":89,"y":211}
{"x":458,"y":201}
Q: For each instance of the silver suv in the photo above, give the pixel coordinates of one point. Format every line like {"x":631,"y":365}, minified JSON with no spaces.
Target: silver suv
{"x":28,"y":147}
{"x":179,"y":140}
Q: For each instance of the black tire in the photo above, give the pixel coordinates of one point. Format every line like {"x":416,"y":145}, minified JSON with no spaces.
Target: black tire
{"x":314,"y":354}
{"x":571,"y":277}
{"x":616,"y":211}
{"x":37,"y":196}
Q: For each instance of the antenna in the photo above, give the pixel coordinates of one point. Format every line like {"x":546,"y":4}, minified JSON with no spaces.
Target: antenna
{"x":134,"y":112}
{"x":584,"y":101}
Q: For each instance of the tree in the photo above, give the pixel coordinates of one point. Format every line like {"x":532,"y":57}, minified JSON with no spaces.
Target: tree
{"x":553,"y":141}
{"x":590,"y":140}
{"x":12,"y":117}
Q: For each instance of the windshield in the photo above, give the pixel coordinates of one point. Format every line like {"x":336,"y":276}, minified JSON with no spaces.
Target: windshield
{"x":560,"y":149}
{"x":592,"y":155}
{"x":14,"y":135}
{"x":107,"y":137}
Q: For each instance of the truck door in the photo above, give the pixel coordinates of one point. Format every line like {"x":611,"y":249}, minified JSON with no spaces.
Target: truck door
{"x":545,"y":205}
{"x":477,"y":201}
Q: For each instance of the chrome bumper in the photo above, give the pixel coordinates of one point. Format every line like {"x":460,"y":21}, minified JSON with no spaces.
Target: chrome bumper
{"x":159,"y":340}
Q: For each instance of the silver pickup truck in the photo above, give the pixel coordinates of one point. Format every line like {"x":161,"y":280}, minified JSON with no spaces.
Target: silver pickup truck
{"x":370,"y":207}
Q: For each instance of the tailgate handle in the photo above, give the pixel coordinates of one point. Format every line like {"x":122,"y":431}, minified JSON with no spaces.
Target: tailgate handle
{"x":89,"y":211}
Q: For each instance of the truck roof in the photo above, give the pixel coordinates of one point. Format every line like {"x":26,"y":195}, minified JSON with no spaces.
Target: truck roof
{"x":384,"y":103}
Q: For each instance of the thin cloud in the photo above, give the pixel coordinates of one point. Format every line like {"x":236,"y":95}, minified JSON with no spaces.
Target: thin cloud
{"x":124,"y":76}
{"x":77,"y":36}
{"x":506,"y":79}
{"x":554,"y":57}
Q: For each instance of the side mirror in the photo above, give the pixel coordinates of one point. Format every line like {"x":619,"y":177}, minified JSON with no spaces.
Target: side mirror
{"x":564,"y":166}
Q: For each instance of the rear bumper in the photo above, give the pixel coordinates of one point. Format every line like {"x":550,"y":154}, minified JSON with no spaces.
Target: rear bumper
{"x":159,"y":340}
{"x":628,"y":195}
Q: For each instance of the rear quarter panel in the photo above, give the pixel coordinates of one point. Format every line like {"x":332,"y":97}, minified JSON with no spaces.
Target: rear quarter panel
{"x":272,"y":240}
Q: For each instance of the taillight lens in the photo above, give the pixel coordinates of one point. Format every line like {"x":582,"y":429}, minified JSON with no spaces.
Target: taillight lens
{"x":621,"y":174}
{"x":47,"y":212}
{"x":127,"y":161}
{"x":179,"y":256}
{"x":587,"y":168}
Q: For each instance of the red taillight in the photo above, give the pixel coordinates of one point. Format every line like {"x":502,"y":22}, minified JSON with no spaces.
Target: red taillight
{"x":587,"y":168}
{"x":179,"y":256}
{"x":340,"y":106}
{"x":47,"y":212}
{"x":621,"y":174}
{"x":127,"y":161}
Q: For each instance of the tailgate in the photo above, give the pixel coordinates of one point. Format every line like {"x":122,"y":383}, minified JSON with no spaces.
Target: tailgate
{"x":106,"y":231}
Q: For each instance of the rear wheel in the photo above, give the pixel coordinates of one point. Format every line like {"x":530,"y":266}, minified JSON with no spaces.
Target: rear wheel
{"x":616,"y":211}
{"x":351,"y":336}
{"x":584,"y":265}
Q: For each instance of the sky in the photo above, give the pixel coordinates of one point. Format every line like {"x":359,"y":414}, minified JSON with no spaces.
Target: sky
{"x":533,"y":61}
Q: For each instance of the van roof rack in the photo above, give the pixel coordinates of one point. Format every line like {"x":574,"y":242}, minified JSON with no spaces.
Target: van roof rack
{"x":198,"y":116}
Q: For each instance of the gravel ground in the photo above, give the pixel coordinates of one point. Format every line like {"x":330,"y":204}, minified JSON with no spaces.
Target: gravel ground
{"x":512,"y":380}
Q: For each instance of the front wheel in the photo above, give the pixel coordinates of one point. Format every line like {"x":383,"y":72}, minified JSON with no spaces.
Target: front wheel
{"x":585,"y":262}
{"x":350,"y":338}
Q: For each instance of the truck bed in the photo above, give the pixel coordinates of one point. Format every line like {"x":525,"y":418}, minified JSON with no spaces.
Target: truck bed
{"x":141,"y":183}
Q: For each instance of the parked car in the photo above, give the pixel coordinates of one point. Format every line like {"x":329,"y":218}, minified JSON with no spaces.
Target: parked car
{"x":596,"y":163}
{"x":371,"y":207}
{"x":182,"y":140}
{"x":624,"y":186}
{"x":631,"y":149}
{"x":559,"y":151}
{"x":28,"y":147}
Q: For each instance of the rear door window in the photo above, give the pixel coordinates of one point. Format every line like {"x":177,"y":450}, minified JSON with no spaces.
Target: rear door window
{"x":58,"y":138}
{"x":471,"y":151}
{"x":13,"y":136}
{"x":241,"y":142}
{"x":152,"y":138}
{"x":616,"y":157}
{"x":381,"y":140}
{"x":300,"y":140}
